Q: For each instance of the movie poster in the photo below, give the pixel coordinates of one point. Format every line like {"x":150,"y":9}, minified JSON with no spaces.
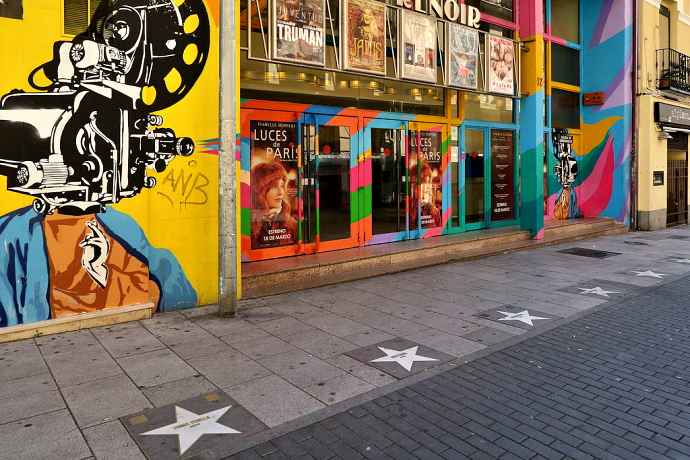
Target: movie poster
{"x":365,"y":29}
{"x":273,"y":181}
{"x":298,"y":31}
{"x":463,"y":56}
{"x":425,"y":169}
{"x":418,"y":47}
{"x":502,"y":174}
{"x":501,"y":56}
{"x":12,"y":9}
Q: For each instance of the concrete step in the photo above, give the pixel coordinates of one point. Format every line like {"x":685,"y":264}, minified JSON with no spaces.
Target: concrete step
{"x":272,"y":277}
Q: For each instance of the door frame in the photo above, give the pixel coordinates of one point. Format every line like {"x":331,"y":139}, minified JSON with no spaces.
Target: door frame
{"x":486,"y":128}
{"x":319,"y":119}
{"x":366,"y":194}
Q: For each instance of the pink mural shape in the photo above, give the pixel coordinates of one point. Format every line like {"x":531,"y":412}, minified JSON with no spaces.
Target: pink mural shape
{"x":614,"y":18}
{"x":594,"y":193}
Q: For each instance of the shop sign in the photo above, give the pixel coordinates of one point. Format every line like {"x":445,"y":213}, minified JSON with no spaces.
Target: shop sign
{"x":590,"y":99}
{"x":298,"y":31}
{"x":671,"y":114}
{"x":364,"y":24}
{"x":463,"y":56}
{"x":418,"y":60}
{"x":502,"y":174}
{"x":452,"y":10}
{"x":273,"y":183}
{"x":501,"y":66}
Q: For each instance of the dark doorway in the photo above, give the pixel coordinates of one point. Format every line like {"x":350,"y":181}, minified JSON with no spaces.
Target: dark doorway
{"x":677,"y":185}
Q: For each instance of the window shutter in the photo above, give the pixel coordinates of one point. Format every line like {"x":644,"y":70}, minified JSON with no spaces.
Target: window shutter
{"x":76,"y":14}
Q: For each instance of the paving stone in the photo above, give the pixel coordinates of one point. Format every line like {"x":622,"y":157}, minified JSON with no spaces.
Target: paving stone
{"x":274,"y":400}
{"x":16,"y":388}
{"x":449,"y":344}
{"x":221,"y":327}
{"x":168,"y":393}
{"x":301,"y":368}
{"x":75,"y":366}
{"x":335,"y":325}
{"x":174,"y":329}
{"x":17,"y":407}
{"x":285,"y":327}
{"x":103,"y":400}
{"x":245,"y":334}
{"x":321,"y":344}
{"x":127,"y":339}
{"x":338,"y":389}
{"x":361,"y":371}
{"x":227,"y":370}
{"x":488,"y":336}
{"x":110,"y":441}
{"x":208,"y":345}
{"x":263,"y":347}
{"x":20,"y":359}
{"x":370,"y":337}
{"x":47,"y":436}
{"x":155,"y":367}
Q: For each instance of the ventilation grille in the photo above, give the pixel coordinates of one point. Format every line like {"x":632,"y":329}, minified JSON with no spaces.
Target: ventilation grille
{"x":77,"y":14}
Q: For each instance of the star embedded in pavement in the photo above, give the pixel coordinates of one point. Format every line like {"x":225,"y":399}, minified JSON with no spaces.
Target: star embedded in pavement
{"x":189,"y":426}
{"x":403,"y":357}
{"x":523,"y":317}
{"x":682,"y":261}
{"x":598,"y":291}
{"x":649,"y":274}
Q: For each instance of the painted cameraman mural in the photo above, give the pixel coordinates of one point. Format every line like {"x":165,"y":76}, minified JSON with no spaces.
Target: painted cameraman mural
{"x":90,"y":135}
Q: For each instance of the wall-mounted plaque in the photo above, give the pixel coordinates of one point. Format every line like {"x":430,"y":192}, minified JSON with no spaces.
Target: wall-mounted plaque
{"x":501,"y":64}
{"x":364,"y":23}
{"x":658,"y":178}
{"x":463,"y":56}
{"x":502,"y":174}
{"x":298,"y":28}
{"x":418,"y":46}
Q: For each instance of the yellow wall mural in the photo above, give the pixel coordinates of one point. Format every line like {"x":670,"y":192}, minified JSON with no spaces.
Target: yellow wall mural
{"x":109,"y":157}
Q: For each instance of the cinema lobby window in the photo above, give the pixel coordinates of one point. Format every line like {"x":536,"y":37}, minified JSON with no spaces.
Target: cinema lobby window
{"x":485,"y":107}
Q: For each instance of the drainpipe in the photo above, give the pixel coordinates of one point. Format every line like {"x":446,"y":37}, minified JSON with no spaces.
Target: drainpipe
{"x":227,"y":298}
{"x":635,"y":119}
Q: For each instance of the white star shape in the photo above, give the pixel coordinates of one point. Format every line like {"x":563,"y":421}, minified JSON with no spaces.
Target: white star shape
{"x":598,"y":291}
{"x":189,"y":426}
{"x":649,"y":274}
{"x":403,"y":357}
{"x":523,"y":317}
{"x":682,"y":261}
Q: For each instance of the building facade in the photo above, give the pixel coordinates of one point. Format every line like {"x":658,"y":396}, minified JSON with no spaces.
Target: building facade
{"x":367,"y":122}
{"x":361,"y":122}
{"x":663,"y":108}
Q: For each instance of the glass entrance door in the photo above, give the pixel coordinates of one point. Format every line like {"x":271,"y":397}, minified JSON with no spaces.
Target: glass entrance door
{"x":426,"y":166}
{"x":385,"y":140}
{"x":489,"y":172}
{"x":330,"y":213}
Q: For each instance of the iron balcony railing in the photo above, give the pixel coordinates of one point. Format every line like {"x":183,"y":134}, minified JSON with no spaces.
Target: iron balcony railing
{"x":673,"y":71}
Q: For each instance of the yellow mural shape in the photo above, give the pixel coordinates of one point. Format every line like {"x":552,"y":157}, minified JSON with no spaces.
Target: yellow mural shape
{"x":191,"y":24}
{"x":191,"y":52}
{"x":148,"y":95}
{"x":593,"y":134}
{"x":173,"y":80}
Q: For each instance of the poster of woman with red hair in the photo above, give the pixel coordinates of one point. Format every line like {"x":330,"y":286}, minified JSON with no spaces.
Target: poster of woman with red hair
{"x":273,"y":184}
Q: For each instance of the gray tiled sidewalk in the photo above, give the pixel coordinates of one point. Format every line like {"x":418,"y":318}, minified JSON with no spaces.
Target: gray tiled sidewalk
{"x":291,"y":355}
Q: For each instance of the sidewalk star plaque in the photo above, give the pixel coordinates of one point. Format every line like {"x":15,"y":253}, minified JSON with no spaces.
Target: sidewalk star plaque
{"x":189,"y":426}
{"x":522,"y":316}
{"x":598,"y":291}
{"x":403,"y":357}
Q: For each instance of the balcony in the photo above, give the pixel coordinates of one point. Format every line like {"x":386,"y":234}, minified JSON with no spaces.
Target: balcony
{"x":673,"y":71}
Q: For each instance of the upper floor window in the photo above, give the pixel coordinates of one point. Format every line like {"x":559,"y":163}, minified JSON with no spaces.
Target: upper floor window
{"x":77,"y":14}
{"x":565,"y":20}
{"x":664,"y":27}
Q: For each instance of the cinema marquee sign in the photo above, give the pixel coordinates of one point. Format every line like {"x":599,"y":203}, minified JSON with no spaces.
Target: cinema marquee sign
{"x":451,"y":10}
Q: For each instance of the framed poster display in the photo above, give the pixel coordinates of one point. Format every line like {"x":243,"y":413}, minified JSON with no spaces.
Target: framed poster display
{"x":297,"y":28}
{"x":463,"y":56}
{"x":364,"y":23}
{"x":273,"y":182}
{"x":500,"y":53}
{"x":418,"y":46}
{"x":502,"y":174}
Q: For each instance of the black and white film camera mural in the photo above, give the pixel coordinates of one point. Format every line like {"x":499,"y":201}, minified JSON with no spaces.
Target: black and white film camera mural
{"x":87,"y":137}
